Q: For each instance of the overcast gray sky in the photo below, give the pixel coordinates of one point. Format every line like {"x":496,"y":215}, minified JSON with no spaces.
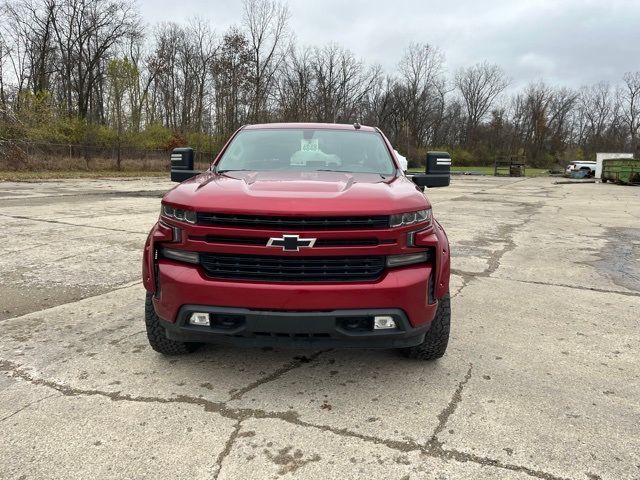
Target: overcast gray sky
{"x":569,"y":42}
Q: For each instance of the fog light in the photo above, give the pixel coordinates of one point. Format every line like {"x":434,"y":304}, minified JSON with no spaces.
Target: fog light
{"x":199,"y":318}
{"x":383,"y":322}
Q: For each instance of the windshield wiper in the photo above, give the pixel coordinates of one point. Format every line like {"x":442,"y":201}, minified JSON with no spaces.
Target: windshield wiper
{"x":233,"y":170}
{"x":347,"y":171}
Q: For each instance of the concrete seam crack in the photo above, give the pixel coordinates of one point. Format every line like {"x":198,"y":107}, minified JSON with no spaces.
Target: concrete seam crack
{"x":466,"y":279}
{"x":431,"y":449}
{"x":575,"y":287}
{"x":469,"y":276}
{"x":227,"y":447}
{"x":27,"y":406}
{"x":434,"y":447}
{"x":507,"y":231}
{"x":117,"y":341}
{"x":456,"y":398}
{"x":438,"y":451}
{"x":296,"y":363}
{"x":494,"y":259}
{"x":126,"y":194}
{"x":60,"y":222}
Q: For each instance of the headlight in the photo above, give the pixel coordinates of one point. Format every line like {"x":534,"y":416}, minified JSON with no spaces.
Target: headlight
{"x":179,"y":214}
{"x":181,"y":255}
{"x":410,"y":218}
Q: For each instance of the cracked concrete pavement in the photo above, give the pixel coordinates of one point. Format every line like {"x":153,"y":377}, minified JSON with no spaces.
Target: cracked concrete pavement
{"x":541,"y":378}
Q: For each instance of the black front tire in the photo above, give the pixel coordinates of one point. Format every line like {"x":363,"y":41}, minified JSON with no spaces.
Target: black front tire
{"x":437,"y":338}
{"x":157,"y":334}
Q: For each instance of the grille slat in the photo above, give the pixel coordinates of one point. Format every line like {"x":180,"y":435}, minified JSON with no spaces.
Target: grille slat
{"x":291,"y":269}
{"x":312,"y":269}
{"x":250,"y":260}
{"x":303,"y":223}
{"x":320,"y":242}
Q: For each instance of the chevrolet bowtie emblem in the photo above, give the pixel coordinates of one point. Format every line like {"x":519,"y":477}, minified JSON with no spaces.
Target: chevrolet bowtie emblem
{"x":291,"y":243}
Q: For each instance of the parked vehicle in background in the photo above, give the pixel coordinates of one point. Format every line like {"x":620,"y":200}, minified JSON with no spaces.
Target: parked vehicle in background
{"x":306,"y":235}
{"x":581,"y":165}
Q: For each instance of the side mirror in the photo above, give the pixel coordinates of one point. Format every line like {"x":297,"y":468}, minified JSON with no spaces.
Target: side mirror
{"x":182,"y":164}
{"x":437,"y":172}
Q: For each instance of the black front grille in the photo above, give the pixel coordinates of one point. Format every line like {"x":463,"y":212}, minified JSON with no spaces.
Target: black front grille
{"x":298,"y":223}
{"x":290,"y":269}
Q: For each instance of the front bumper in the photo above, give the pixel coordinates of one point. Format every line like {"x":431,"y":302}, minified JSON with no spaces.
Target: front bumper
{"x":405,"y":289}
{"x":295,"y":329}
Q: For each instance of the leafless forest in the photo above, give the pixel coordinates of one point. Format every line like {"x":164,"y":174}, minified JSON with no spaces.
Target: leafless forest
{"x":85,"y":76}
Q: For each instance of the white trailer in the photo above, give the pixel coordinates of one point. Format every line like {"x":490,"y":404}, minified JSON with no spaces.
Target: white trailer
{"x":604,"y":156}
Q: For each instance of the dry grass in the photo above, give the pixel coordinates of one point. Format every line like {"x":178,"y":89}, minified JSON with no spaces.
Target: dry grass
{"x":530,"y":172}
{"x":46,"y":167}
{"x":31,"y":176}
{"x":17,"y":159}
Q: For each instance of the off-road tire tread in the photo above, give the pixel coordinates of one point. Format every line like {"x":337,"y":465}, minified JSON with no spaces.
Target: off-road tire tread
{"x":157,"y":335}
{"x":437,"y":338}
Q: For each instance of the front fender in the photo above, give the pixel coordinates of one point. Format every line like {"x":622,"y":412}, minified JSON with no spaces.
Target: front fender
{"x":159,"y":233}
{"x":443,"y":263}
{"x":437,"y":238}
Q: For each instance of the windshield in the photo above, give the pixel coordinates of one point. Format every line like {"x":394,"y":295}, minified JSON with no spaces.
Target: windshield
{"x":308,"y":150}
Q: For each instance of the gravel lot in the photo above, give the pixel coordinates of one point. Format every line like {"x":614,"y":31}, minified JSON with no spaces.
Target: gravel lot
{"x":541,"y":379}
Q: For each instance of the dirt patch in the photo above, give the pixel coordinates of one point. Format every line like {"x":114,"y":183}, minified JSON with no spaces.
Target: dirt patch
{"x":289,"y":460}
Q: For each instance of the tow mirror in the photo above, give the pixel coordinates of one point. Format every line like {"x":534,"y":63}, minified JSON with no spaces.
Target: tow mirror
{"x":182,"y":164}
{"x":437,"y":171}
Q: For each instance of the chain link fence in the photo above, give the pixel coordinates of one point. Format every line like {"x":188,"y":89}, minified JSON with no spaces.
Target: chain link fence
{"x":34,"y":156}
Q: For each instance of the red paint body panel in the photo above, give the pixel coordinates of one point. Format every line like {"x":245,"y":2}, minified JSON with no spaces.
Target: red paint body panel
{"x":298,"y":194}
{"x":160,"y":233}
{"x":437,"y":238}
{"x":404,"y":288}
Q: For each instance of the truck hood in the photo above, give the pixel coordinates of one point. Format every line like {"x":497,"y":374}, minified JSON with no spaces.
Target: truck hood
{"x":297,"y":193}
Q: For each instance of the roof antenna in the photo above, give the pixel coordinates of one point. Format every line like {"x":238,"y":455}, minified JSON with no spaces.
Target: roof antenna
{"x":356,"y":125}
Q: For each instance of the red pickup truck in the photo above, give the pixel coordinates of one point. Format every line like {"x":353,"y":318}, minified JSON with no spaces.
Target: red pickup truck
{"x":303,"y":235}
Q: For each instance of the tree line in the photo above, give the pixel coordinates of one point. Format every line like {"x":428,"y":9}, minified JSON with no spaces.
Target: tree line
{"x":87,"y":72}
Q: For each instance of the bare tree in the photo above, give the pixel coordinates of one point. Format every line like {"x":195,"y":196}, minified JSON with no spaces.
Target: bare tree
{"x":479,"y":85}
{"x":631,"y":107}
{"x":145,"y":70}
{"x":86,"y":32}
{"x":205,"y":48}
{"x":90,"y":60}
{"x":4,"y":54}
{"x":541,"y":122}
{"x":379,"y":105}
{"x":182,"y":59}
{"x":16,"y":32}
{"x":295,"y":86}
{"x":421,"y":91}
{"x":599,"y":108}
{"x":31,"y":25}
{"x":340,"y":83}
{"x":267,"y":23}
{"x":232,"y":87}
